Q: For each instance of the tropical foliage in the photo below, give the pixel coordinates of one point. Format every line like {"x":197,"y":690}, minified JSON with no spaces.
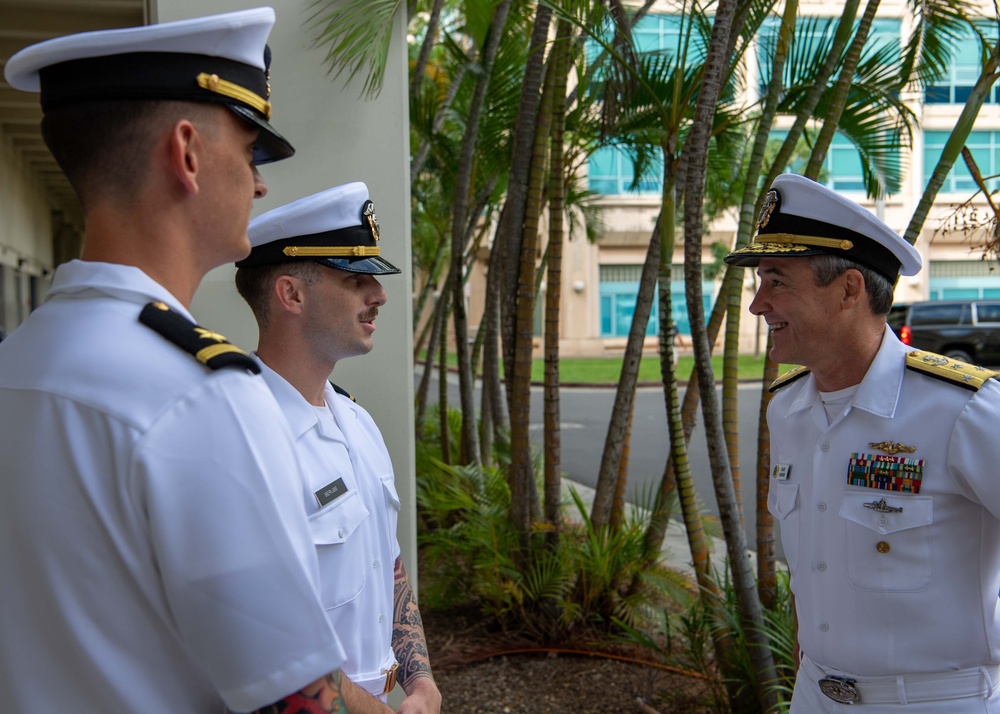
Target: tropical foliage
{"x":508,"y":99}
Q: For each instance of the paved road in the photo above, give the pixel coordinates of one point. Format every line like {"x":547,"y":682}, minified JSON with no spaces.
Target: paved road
{"x":586,"y":413}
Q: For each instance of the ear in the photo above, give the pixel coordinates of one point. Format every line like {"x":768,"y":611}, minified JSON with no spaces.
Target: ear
{"x":289,"y":294}
{"x":184,"y":154}
{"x":854,"y":288}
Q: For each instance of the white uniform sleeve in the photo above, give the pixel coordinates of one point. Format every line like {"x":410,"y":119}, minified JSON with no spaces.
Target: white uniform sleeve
{"x":974,"y":453}
{"x":232,"y":545}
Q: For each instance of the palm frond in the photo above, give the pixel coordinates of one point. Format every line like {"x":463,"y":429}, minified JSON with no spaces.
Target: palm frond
{"x":356,"y":36}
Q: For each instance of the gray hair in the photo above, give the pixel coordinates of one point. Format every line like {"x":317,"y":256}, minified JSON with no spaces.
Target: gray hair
{"x":828,"y":267}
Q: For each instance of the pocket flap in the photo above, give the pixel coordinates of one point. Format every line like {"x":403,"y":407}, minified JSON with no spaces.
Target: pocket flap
{"x":857,"y":506}
{"x":389,"y":484}
{"x":786,"y":497}
{"x":335,"y":523}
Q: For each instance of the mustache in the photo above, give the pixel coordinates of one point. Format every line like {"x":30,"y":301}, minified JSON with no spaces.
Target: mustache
{"x":369,"y":315}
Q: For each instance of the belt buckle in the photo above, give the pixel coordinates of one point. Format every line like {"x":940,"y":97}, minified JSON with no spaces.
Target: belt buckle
{"x":390,"y":678}
{"x":840,"y":690}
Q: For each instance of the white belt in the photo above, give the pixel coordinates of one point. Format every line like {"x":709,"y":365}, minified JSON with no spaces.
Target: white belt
{"x":847,"y":688}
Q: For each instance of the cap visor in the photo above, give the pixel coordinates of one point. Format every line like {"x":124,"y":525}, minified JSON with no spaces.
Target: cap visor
{"x":750,"y":256}
{"x":371,"y":266}
{"x":271,"y":146}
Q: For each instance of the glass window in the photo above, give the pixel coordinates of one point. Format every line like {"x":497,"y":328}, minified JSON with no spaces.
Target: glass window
{"x":985,"y":149}
{"x":963,"y":70}
{"x":987,"y":312}
{"x":949,"y":313}
{"x":619,"y":287}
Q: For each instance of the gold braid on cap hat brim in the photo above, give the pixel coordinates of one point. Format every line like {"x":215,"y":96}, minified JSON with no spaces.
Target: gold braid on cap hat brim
{"x":793,"y":239}
{"x":217,"y":85}
{"x":354,"y":251}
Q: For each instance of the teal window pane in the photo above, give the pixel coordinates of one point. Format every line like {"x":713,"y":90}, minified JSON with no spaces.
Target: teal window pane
{"x":606,"y":308}
{"x":960,"y":294}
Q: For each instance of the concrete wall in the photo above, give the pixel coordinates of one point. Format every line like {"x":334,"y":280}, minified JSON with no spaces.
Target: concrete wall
{"x":25,"y":239}
{"x":339,"y":138}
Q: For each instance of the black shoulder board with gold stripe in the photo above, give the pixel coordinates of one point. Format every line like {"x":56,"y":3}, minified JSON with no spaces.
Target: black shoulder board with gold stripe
{"x":970,"y":376}
{"x":343,"y":392}
{"x":787,"y":378}
{"x":209,"y":348}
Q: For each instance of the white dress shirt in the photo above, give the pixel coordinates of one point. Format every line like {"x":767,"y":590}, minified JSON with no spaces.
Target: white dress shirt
{"x":350,"y":494}
{"x":151,"y":560}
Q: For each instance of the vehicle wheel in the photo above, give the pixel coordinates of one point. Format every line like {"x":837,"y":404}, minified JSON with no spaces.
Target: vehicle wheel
{"x":959,"y":355}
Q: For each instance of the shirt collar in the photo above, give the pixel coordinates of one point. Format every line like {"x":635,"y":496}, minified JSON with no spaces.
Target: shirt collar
{"x":878,"y":392}
{"x":122,"y":282}
{"x":299,"y":413}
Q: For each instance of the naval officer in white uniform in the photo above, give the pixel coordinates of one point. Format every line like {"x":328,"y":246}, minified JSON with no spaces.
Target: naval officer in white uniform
{"x":151,"y":560}
{"x":885,"y":472}
{"x":311,"y":282}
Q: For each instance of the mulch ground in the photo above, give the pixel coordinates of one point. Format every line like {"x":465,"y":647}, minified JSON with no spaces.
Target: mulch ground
{"x":482,"y":672}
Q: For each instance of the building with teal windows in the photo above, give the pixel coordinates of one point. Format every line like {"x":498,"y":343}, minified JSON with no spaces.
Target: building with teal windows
{"x":600,"y":297}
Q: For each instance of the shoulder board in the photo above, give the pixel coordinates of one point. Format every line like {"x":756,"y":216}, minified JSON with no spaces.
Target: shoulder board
{"x":787,"y":378}
{"x":209,"y":348}
{"x":343,"y":392}
{"x":969,"y":376}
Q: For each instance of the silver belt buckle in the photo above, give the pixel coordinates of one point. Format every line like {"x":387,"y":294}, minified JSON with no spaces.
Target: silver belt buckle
{"x":840,"y":690}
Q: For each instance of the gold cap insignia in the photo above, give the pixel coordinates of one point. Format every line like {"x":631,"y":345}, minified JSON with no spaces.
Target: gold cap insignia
{"x":771,"y":201}
{"x":368,"y":213}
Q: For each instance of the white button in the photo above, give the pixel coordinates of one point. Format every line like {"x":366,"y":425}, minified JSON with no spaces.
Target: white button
{"x":340,"y":532}
{"x":883,"y":521}
{"x":824,"y":447}
{"x":821,"y":567}
{"x":824,"y":627}
{"x":380,"y":619}
{"x":821,"y":506}
{"x":374,"y":564}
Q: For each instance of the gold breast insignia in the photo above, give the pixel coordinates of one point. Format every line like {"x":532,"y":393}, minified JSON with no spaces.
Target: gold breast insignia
{"x":891,"y":447}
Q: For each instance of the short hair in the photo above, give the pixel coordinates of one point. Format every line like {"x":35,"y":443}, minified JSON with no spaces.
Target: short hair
{"x":104,"y":146}
{"x":828,"y":267}
{"x":254,"y":284}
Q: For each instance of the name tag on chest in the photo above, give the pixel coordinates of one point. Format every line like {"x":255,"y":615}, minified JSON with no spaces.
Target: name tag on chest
{"x":331,"y":492}
{"x":886,"y":473}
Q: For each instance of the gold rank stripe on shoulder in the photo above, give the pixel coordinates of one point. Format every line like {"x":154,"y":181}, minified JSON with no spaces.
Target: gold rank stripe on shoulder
{"x":787,"y":378}
{"x":343,"y":392}
{"x":970,"y":376}
{"x":209,"y":348}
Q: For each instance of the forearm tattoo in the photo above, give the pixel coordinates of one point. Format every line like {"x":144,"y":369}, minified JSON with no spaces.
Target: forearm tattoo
{"x":321,"y":697}
{"x":408,"y":641}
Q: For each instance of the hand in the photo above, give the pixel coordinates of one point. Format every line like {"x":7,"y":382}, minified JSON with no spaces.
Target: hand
{"x":423,"y":697}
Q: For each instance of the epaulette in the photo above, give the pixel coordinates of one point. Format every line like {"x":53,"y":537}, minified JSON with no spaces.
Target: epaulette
{"x":343,"y":392}
{"x":787,"y":378}
{"x":209,"y":348}
{"x":970,"y":376}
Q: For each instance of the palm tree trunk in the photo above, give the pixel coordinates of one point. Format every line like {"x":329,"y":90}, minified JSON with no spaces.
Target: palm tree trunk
{"x":437,"y":322}
{"x":560,"y":64}
{"x":953,"y":147}
{"x":748,"y":211}
{"x":443,"y":385}
{"x":510,"y":229}
{"x":521,"y":473}
{"x":767,"y":584}
{"x":463,"y":182}
{"x":696,"y":150}
{"x":625,"y":393}
{"x":417,"y":75}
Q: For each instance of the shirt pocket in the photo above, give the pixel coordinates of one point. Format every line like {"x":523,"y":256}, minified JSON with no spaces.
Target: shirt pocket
{"x":783,"y":504}
{"x":341,"y":572}
{"x":888,"y":552}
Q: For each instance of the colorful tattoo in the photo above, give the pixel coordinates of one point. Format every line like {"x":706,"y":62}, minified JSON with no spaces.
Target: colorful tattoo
{"x":321,"y":697}
{"x":408,"y":641}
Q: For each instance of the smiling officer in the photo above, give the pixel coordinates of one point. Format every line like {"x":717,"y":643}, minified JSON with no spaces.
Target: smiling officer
{"x":883,"y":475}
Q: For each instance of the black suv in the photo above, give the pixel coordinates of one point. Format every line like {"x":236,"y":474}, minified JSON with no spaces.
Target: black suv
{"x":966,"y":330}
